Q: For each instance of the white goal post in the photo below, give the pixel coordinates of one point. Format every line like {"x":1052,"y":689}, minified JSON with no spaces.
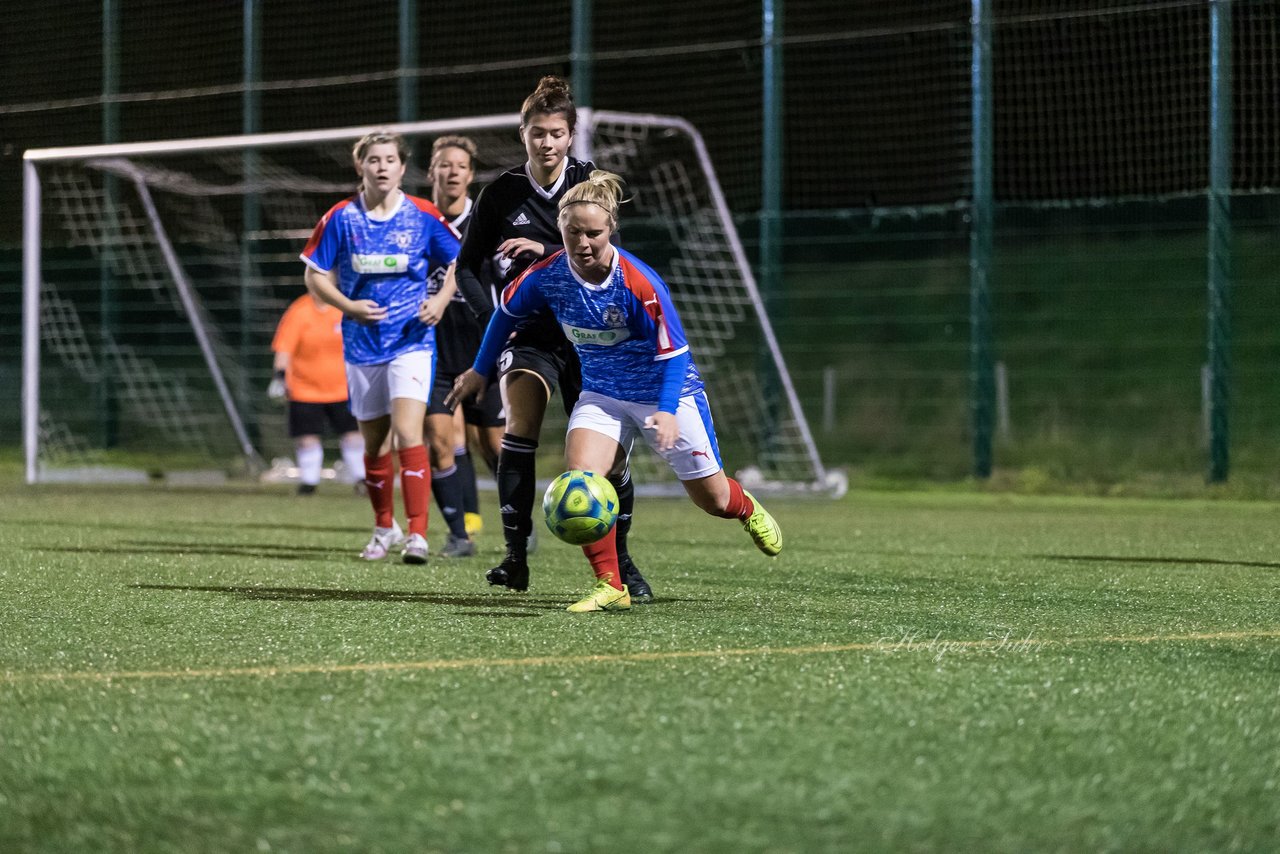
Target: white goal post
{"x":148,"y":213}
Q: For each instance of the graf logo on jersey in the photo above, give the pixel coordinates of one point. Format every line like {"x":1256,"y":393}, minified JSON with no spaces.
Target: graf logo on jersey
{"x":599,"y":337}
{"x":398,"y":263}
{"x":613,"y":317}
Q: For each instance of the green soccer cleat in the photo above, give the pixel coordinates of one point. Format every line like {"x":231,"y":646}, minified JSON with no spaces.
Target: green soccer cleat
{"x":763,"y":529}
{"x":603,"y":597}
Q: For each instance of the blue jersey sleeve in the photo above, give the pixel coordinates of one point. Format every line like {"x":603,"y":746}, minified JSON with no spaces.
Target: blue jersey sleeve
{"x":519,"y":299}
{"x":673,"y":376}
{"x":321,"y":251}
{"x":661,"y":318}
{"x":500,"y":327}
{"x":524,"y":296}
{"x":442,"y":243}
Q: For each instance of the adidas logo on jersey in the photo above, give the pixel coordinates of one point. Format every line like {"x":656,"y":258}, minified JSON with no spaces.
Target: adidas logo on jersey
{"x":523,"y":219}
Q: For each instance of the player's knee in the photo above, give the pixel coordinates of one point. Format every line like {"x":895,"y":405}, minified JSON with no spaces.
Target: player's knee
{"x":587,"y":463}
{"x":407,"y":438}
{"x":715,"y":506}
{"x":526,"y":404}
{"x":709,"y":497}
{"x":441,"y":453}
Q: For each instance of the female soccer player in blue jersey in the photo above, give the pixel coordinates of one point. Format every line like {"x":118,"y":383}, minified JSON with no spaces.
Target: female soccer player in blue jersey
{"x":638,"y":377}
{"x":369,"y":256}
{"x":514,"y":226}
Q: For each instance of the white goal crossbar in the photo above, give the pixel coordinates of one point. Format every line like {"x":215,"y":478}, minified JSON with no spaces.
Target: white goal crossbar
{"x":35,"y":159}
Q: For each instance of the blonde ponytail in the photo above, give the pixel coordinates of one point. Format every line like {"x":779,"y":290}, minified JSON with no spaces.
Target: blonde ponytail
{"x":603,"y":189}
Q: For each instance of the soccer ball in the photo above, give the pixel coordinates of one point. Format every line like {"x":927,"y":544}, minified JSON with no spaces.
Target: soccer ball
{"x":581,"y":507}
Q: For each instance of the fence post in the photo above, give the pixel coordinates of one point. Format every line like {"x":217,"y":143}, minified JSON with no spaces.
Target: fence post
{"x":250,"y":122}
{"x":106,"y":402}
{"x":408,"y":89}
{"x":772,"y":179}
{"x":581,"y":55}
{"x":1003,"y":430}
{"x":981,"y":225}
{"x":582,"y":71}
{"x":1220,"y":142}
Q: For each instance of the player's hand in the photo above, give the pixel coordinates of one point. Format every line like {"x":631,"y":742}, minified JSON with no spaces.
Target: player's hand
{"x":517,"y":246}
{"x":432,"y":310}
{"x":668,"y":429}
{"x":366,"y":311}
{"x":467,"y":385}
{"x":276,"y":389}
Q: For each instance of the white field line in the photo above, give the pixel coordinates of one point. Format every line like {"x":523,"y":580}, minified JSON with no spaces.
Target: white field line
{"x":911,"y":643}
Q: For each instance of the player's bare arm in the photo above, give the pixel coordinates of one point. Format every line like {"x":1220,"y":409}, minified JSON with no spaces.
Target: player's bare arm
{"x":325,"y":286}
{"x":432,"y":309}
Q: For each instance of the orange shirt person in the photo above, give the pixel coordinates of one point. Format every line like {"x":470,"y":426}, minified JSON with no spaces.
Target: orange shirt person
{"x":309,"y":370}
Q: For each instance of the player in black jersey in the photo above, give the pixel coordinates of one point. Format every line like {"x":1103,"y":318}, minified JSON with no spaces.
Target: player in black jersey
{"x":514,"y":224}
{"x":458,"y":335}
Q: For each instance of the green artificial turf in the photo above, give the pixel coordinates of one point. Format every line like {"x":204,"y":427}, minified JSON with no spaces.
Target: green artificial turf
{"x":186,"y":670}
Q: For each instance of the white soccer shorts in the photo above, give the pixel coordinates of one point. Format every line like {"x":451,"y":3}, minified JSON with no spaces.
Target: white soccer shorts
{"x":695,"y":454}
{"x":371,"y":388}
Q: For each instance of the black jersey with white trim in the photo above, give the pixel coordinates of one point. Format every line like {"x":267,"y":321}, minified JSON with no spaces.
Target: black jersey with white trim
{"x":515,"y":205}
{"x":458,"y":334}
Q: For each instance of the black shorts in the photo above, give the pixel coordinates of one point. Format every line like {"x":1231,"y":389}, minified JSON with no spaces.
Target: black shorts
{"x":558,"y":367}
{"x":486,"y":413}
{"x":309,"y":419}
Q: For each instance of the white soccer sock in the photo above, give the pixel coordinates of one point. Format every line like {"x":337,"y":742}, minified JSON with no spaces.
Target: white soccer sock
{"x":353,"y":457}
{"x":310,"y":461}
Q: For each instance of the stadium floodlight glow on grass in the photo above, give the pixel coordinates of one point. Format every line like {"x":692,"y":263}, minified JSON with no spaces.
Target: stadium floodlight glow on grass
{"x":166,"y":226}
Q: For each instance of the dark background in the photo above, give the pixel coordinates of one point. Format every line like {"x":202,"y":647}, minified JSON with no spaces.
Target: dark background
{"x":1091,"y":101}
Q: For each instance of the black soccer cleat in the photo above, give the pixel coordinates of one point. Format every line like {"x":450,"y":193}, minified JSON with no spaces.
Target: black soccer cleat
{"x":641,"y":593}
{"x":512,"y":573}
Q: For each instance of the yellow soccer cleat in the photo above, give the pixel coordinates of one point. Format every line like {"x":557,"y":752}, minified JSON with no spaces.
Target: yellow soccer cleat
{"x":474,"y":523}
{"x":763,"y":529}
{"x":603,"y":597}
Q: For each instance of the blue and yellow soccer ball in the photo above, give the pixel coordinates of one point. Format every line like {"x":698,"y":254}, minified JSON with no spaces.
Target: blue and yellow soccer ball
{"x":581,"y":507}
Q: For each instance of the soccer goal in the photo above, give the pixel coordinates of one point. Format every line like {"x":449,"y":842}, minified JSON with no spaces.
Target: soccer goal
{"x":154,"y":274}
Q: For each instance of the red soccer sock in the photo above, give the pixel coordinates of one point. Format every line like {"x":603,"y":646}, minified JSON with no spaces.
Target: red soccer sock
{"x":415,"y":483}
{"x":739,"y":505}
{"x":603,"y":555}
{"x":382,"y":489}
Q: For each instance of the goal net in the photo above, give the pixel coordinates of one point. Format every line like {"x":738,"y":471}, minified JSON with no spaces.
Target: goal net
{"x":155,"y":273}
